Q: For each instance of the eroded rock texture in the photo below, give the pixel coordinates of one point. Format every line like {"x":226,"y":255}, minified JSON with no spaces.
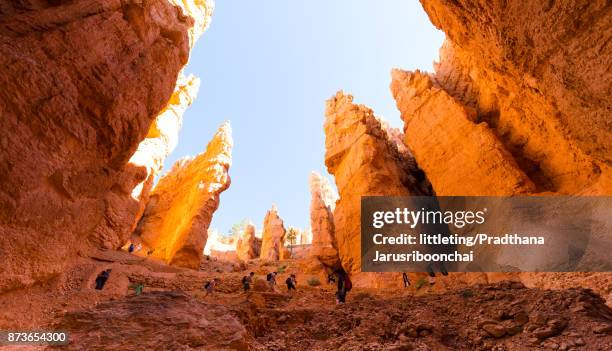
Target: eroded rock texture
{"x":322,"y":205}
{"x":273,"y":237}
{"x":534,"y":75}
{"x":365,"y":159}
{"x":247,"y":245}
{"x":162,"y":139}
{"x":518,"y":103}
{"x":459,"y":155}
{"x":176,"y":219}
{"x":81,"y":84}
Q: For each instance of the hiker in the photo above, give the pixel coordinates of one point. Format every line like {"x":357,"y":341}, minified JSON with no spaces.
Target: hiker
{"x":291,"y":282}
{"x":344,"y":286}
{"x":131,"y":248}
{"x":443,"y":269}
{"x":432,"y":275}
{"x":247,"y":280}
{"x":271,"y":278}
{"x":406,"y":280}
{"x":210,"y":286}
{"x":139,"y":247}
{"x":331,"y":278}
{"x":138,"y":288}
{"x":102,"y":278}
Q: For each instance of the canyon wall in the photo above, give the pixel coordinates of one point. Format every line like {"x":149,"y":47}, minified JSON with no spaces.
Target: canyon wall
{"x":365,"y":158}
{"x":273,"y":237}
{"x":80,"y":86}
{"x":518,"y":105}
{"x":180,"y":208}
{"x":536,"y":76}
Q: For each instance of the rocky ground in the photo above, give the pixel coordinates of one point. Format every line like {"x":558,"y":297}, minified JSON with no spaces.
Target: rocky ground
{"x":174,"y":313}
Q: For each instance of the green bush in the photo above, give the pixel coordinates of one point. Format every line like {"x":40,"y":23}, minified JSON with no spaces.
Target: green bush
{"x":314,"y":282}
{"x":281,"y":269}
{"x":421,"y":283}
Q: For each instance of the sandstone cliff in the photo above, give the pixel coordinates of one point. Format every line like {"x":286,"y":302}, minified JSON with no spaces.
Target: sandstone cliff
{"x":365,"y":159}
{"x":536,"y":76}
{"x":162,"y":139}
{"x":459,"y":155}
{"x":80,"y":86}
{"x":322,"y":205}
{"x":517,"y":104}
{"x":273,"y":238}
{"x":247,"y":244}
{"x":176,"y":219}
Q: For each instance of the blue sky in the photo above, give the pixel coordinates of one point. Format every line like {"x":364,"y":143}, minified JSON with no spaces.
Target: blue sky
{"x":268,"y":66}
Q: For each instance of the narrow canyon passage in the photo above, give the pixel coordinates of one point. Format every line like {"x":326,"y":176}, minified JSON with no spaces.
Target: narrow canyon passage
{"x":101,"y":238}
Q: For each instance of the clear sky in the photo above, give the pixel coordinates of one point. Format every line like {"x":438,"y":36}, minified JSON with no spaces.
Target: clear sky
{"x":268,"y":67}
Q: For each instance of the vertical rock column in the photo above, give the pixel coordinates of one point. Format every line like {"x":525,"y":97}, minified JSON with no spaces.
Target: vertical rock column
{"x":246,"y":244}
{"x":322,"y":205}
{"x":273,"y":238}
{"x":180,"y":209}
{"x":459,"y":155}
{"x":162,"y":139}
{"x":365,"y":158}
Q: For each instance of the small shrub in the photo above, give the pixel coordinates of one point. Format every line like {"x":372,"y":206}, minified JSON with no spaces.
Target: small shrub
{"x":314,"y":282}
{"x":421,"y":283}
{"x":281,"y":269}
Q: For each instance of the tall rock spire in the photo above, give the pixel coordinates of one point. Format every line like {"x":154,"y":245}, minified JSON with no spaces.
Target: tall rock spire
{"x":365,"y":159}
{"x":180,"y":209}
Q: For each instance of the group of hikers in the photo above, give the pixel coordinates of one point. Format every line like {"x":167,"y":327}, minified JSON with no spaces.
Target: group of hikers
{"x":339,"y":277}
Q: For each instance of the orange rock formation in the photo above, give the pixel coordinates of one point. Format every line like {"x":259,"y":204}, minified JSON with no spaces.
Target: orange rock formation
{"x":273,"y":238}
{"x":162,"y":139}
{"x":459,"y":155}
{"x":365,"y":158}
{"x":322,"y":205}
{"x":180,"y":208}
{"x":247,"y":244}
{"x":530,"y":74}
{"x":81,"y":84}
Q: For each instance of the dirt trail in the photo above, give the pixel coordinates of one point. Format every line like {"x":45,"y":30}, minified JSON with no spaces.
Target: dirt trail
{"x":174,"y":313}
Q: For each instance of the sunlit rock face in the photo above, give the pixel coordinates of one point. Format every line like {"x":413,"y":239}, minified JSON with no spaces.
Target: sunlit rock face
{"x":537,"y":73}
{"x":82,"y":82}
{"x":247,"y":245}
{"x":273,"y":237}
{"x":365,"y":159}
{"x":459,"y":155}
{"x":162,"y":139}
{"x":181,"y":206}
{"x":322,"y":205}
{"x":518,"y":104}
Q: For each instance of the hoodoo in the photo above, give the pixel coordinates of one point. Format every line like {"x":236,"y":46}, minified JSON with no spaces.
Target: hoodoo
{"x":365,"y":158}
{"x":175,"y":223}
{"x":322,"y":205}
{"x":247,"y":245}
{"x":273,"y":238}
